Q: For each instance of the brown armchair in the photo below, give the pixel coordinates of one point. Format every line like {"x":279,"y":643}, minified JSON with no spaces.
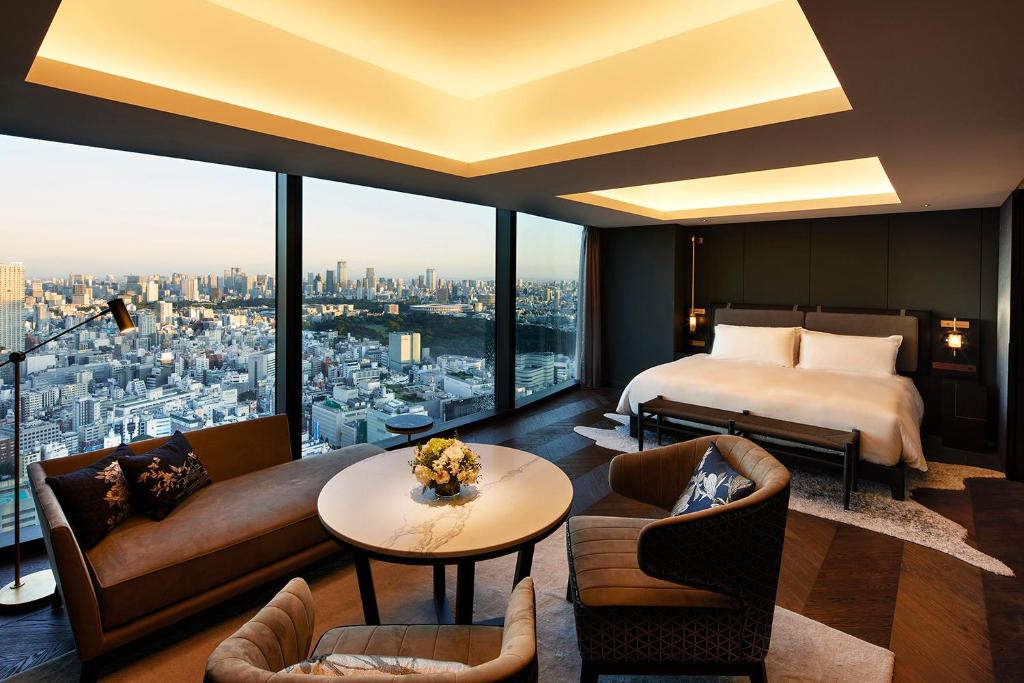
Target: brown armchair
{"x":281,"y":633}
{"x":692,"y":594}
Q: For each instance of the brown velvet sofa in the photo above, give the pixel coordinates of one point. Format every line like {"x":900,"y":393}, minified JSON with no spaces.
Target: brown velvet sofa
{"x":257,"y":521}
{"x":281,"y":634}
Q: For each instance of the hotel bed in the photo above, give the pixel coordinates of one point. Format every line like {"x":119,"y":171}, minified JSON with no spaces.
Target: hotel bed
{"x":887,"y":409}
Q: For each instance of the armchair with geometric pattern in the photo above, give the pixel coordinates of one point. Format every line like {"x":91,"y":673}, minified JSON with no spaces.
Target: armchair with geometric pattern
{"x":691,"y":594}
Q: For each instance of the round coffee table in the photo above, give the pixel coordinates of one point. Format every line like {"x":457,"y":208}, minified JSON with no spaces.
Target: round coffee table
{"x":409,"y":424}
{"x":377,"y":508}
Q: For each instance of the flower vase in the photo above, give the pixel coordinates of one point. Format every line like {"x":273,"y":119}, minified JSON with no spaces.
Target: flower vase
{"x":448,"y":489}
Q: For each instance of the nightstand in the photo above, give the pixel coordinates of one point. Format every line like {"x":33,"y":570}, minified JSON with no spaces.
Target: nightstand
{"x":964,"y":415}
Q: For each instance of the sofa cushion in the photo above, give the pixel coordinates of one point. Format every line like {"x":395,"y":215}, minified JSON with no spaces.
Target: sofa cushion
{"x":604,"y":562}
{"x":472,"y":645}
{"x":714,"y":483}
{"x":95,"y":498}
{"x":218,"y":534}
{"x":163,"y":477}
{"x":371,"y":666}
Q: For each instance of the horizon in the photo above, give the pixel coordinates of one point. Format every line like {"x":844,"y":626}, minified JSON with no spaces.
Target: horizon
{"x":83,"y":199}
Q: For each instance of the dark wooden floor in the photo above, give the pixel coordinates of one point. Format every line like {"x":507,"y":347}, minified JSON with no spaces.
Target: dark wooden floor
{"x":944,"y":619}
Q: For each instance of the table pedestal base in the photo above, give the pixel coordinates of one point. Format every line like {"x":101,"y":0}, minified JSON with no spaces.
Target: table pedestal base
{"x":464,"y":587}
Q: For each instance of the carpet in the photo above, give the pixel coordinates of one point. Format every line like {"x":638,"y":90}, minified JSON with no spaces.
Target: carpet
{"x":801,"y":649}
{"x":872,"y":507}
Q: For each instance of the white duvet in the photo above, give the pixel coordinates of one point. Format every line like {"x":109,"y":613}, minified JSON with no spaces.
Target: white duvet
{"x":886,"y":409}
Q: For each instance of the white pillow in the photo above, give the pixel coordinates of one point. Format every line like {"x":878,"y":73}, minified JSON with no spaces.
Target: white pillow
{"x":770,"y":345}
{"x":848,"y":353}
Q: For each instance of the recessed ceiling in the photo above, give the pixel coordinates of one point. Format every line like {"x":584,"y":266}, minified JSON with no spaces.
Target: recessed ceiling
{"x":935,"y":89}
{"x":853,"y":182}
{"x":462,"y":87}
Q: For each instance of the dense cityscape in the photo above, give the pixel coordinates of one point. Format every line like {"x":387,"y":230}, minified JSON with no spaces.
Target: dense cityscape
{"x":204,"y":354}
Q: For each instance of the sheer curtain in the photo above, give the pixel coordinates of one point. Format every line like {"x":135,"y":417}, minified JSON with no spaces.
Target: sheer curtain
{"x":589,"y":340}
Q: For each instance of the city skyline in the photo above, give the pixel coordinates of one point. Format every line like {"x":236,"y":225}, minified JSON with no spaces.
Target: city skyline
{"x":82,"y":197}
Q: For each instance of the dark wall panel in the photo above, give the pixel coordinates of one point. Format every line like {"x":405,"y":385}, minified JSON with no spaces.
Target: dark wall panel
{"x":720,"y":264}
{"x":776,"y":263}
{"x":849,"y":259}
{"x":935,"y":262}
{"x":639,"y":300}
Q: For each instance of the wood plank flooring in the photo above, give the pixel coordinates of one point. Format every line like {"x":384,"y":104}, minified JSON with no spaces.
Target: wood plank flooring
{"x":944,"y":619}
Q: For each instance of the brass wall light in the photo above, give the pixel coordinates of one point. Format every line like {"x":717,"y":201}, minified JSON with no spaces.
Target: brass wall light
{"x":696,"y":314}
{"x":955,"y":339}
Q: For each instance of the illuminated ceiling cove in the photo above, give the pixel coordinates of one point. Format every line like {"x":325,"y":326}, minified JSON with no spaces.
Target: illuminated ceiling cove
{"x":456,"y":86}
{"x":854,"y":182}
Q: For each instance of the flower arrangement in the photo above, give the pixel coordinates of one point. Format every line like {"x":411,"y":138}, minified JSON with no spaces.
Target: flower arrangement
{"x":444,"y":465}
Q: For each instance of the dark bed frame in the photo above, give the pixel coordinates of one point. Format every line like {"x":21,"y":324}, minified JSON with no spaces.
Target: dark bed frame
{"x":913,"y":361}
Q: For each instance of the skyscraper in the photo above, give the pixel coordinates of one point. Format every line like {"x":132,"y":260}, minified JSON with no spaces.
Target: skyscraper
{"x":329,"y":285}
{"x":431,"y":279}
{"x":371,"y":284}
{"x":190,"y":289}
{"x":342,"y":275}
{"x":12,"y":306}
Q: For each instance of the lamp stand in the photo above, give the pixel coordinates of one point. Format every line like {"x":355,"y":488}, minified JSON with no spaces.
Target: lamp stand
{"x":34,"y":589}
{"x":30,"y":590}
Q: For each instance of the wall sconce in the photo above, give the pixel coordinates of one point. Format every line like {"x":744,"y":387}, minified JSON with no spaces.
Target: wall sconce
{"x":955,"y":340}
{"x":696,"y":314}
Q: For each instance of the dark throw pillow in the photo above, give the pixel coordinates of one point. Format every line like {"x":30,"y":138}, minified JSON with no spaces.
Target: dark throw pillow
{"x":95,"y":498}
{"x":165,"y":476}
{"x":713,"y":483}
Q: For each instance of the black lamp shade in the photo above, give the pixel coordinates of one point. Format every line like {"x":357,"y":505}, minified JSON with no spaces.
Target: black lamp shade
{"x":121,"y":316}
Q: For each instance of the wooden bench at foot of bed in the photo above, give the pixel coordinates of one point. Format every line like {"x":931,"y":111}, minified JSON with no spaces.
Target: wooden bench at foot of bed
{"x":834,"y":447}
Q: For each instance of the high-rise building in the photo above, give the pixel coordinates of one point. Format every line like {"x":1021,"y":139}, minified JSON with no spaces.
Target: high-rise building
{"x":12,"y":306}
{"x":403,"y":350}
{"x":261,"y":368}
{"x":431,"y":279}
{"x":371,"y":284}
{"x":81,"y":295}
{"x":190,"y":289}
{"x":342,"y":275}
{"x":329,"y":284}
{"x":164,"y":311}
{"x":146,"y":322}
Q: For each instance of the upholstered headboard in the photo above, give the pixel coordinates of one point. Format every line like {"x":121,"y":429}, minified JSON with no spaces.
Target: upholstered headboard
{"x":913,"y":326}
{"x":759,"y":317}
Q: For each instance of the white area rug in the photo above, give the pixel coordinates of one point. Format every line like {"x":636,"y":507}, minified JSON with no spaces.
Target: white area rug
{"x":872,"y":507}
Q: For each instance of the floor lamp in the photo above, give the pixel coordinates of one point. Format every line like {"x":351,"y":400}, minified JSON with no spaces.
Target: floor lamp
{"x":38,"y":587}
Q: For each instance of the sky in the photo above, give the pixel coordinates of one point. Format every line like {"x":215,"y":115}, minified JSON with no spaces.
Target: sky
{"x":73,"y":209}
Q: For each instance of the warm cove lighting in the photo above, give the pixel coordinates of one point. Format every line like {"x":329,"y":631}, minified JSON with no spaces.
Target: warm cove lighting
{"x":855,"y":182}
{"x":457,"y":86}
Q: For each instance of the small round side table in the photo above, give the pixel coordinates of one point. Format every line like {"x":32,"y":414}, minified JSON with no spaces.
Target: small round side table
{"x":409,"y":424}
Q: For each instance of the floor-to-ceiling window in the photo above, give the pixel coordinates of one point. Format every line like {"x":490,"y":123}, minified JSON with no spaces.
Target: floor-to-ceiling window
{"x":547,"y":288}
{"x":399,"y":311}
{"x":190,"y":247}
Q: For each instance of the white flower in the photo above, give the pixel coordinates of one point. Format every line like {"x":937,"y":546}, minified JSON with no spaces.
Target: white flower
{"x":423,"y":475}
{"x":453,"y":454}
{"x":442,"y":477}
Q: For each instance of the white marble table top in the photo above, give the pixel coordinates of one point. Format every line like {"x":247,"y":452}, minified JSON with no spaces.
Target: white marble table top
{"x":378,"y":505}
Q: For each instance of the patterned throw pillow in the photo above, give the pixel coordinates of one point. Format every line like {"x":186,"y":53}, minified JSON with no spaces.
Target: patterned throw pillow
{"x":95,"y":498}
{"x":371,"y":665}
{"x":713,"y":483}
{"x":165,"y":476}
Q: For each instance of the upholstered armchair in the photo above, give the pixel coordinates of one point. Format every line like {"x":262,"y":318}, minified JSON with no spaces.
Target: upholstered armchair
{"x":281,"y":634}
{"x":691,"y":594}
